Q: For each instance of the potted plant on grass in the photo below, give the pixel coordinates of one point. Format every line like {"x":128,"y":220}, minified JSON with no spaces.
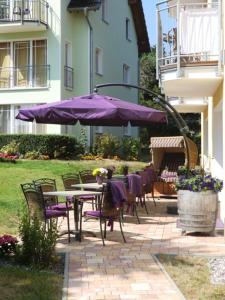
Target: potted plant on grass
{"x":197,"y":195}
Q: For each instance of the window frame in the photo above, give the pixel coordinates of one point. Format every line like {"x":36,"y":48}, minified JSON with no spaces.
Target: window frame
{"x":99,"y":61}
{"x":126,"y":73}
{"x":105,"y":11}
{"x":128,"y":30}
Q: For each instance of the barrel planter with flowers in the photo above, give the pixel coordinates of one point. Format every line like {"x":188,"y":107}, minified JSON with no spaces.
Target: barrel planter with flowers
{"x":197,"y":200}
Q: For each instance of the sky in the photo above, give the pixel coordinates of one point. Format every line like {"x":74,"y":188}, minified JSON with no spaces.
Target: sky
{"x":149,"y":7}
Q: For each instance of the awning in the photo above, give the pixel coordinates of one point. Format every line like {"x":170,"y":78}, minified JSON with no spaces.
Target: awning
{"x":167,"y":142}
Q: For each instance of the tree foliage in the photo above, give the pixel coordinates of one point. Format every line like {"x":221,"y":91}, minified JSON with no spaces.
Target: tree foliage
{"x":148,"y":80}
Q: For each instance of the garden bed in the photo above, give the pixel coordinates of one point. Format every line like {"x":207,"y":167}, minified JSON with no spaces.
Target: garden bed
{"x":192,"y":276}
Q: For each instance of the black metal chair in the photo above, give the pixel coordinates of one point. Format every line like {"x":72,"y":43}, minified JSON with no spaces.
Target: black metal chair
{"x":86,"y":176}
{"x":108,"y":211}
{"x":36,"y":205}
{"x":70,"y":179}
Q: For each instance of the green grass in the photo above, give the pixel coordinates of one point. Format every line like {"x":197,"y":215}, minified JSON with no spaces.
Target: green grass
{"x":20,"y":284}
{"x":12,"y":175}
{"x":191,"y":275}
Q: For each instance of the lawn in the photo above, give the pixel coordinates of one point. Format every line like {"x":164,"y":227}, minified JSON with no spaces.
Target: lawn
{"x":18,"y":283}
{"x":191,"y":275}
{"x":12,"y":175}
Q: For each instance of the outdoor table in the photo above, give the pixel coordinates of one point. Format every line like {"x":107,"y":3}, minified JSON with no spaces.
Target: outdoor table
{"x":76,"y":194}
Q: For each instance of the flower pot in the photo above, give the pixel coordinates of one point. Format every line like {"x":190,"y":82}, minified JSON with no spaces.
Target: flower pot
{"x":99,"y":179}
{"x":197,"y":210}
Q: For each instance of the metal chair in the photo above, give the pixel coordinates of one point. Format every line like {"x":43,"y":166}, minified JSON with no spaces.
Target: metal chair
{"x":36,"y":204}
{"x":86,"y":176}
{"x":110,"y":208}
{"x":70,"y":179}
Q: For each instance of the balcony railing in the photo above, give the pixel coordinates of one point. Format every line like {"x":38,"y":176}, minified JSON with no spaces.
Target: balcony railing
{"x":68,"y":77}
{"x":36,"y":76}
{"x":24,"y":11}
{"x":189,"y":34}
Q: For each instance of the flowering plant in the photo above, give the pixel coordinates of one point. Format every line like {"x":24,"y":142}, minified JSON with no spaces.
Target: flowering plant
{"x":196,"y":181}
{"x":7,"y":244}
{"x":8,"y":158}
{"x":100,"y":172}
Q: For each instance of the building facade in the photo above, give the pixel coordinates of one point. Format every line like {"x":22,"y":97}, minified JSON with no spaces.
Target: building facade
{"x":190,"y":65}
{"x":53,"y":50}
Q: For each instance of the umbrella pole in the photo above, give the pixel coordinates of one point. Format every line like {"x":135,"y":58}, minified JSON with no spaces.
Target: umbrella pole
{"x":181,"y":124}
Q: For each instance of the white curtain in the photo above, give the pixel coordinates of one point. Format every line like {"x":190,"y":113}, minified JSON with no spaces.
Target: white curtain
{"x":199,"y":31}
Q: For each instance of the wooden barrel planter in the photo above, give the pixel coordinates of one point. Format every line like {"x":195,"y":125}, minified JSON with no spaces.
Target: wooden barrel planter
{"x":197,"y":210}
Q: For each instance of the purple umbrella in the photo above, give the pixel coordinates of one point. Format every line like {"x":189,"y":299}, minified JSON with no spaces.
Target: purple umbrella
{"x":97,"y":110}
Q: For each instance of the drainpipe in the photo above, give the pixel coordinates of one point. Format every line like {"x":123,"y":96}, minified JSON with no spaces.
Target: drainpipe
{"x":90,"y":66}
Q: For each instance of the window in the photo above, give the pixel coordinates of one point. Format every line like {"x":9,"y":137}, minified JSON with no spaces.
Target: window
{"x":68,"y":69}
{"x":99,"y":129}
{"x":126,"y":74}
{"x":128,"y":31}
{"x":23,"y":64}
{"x":105,"y":10}
{"x":127,"y":130}
{"x":99,"y":61}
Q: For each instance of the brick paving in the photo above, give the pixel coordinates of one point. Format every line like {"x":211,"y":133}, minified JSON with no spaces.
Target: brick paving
{"x":127,"y":271}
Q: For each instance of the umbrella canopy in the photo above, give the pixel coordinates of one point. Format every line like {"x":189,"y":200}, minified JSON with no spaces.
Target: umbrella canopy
{"x":94,"y":109}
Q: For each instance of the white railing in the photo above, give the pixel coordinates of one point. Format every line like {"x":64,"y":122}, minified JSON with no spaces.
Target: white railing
{"x":188,"y":34}
{"x":25,"y":77}
{"x":24,"y":11}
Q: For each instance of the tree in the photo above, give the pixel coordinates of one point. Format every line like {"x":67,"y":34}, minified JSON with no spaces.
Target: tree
{"x":148,"y":80}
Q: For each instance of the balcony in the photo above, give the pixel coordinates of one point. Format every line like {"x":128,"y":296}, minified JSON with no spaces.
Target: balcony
{"x":23,"y":16}
{"x":25,"y":77}
{"x":189,"y":47}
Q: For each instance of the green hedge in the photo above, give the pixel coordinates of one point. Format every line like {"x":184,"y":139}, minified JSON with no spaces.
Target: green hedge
{"x":55,"y":146}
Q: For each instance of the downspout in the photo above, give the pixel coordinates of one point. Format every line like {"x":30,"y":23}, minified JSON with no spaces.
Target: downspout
{"x":90,"y":65}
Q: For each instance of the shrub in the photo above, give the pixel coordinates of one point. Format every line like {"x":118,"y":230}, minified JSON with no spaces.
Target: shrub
{"x":8,"y":158}
{"x":53,"y":146}
{"x":130,"y":148}
{"x":38,"y":244}
{"x":11,"y":149}
{"x":32,"y":155}
{"x":7,"y":245}
{"x":106,"y":145}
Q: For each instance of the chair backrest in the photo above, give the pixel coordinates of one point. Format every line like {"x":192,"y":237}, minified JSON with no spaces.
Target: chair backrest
{"x":86,"y":176}
{"x":34,"y":199}
{"x":47,"y":185}
{"x":70,"y":179}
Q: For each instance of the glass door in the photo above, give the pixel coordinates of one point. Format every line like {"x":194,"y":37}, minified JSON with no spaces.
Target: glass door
{"x":21,"y":63}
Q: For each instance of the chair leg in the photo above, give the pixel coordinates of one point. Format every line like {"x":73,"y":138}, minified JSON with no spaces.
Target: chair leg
{"x":68,"y":225}
{"x":103,"y":242}
{"x":105,"y":230}
{"x":136,"y":213}
{"x":80,"y":230}
{"x":145,"y":205}
{"x":121,"y":229}
{"x":153,"y":197}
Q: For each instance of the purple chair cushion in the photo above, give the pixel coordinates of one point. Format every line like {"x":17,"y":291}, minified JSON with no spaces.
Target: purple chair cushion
{"x":87,"y":197}
{"x":84,"y":198}
{"x":61,"y":206}
{"x":50,"y":213}
{"x":92,"y":213}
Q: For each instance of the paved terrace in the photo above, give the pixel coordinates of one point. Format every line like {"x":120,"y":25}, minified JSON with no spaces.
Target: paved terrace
{"x":130,"y":271}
